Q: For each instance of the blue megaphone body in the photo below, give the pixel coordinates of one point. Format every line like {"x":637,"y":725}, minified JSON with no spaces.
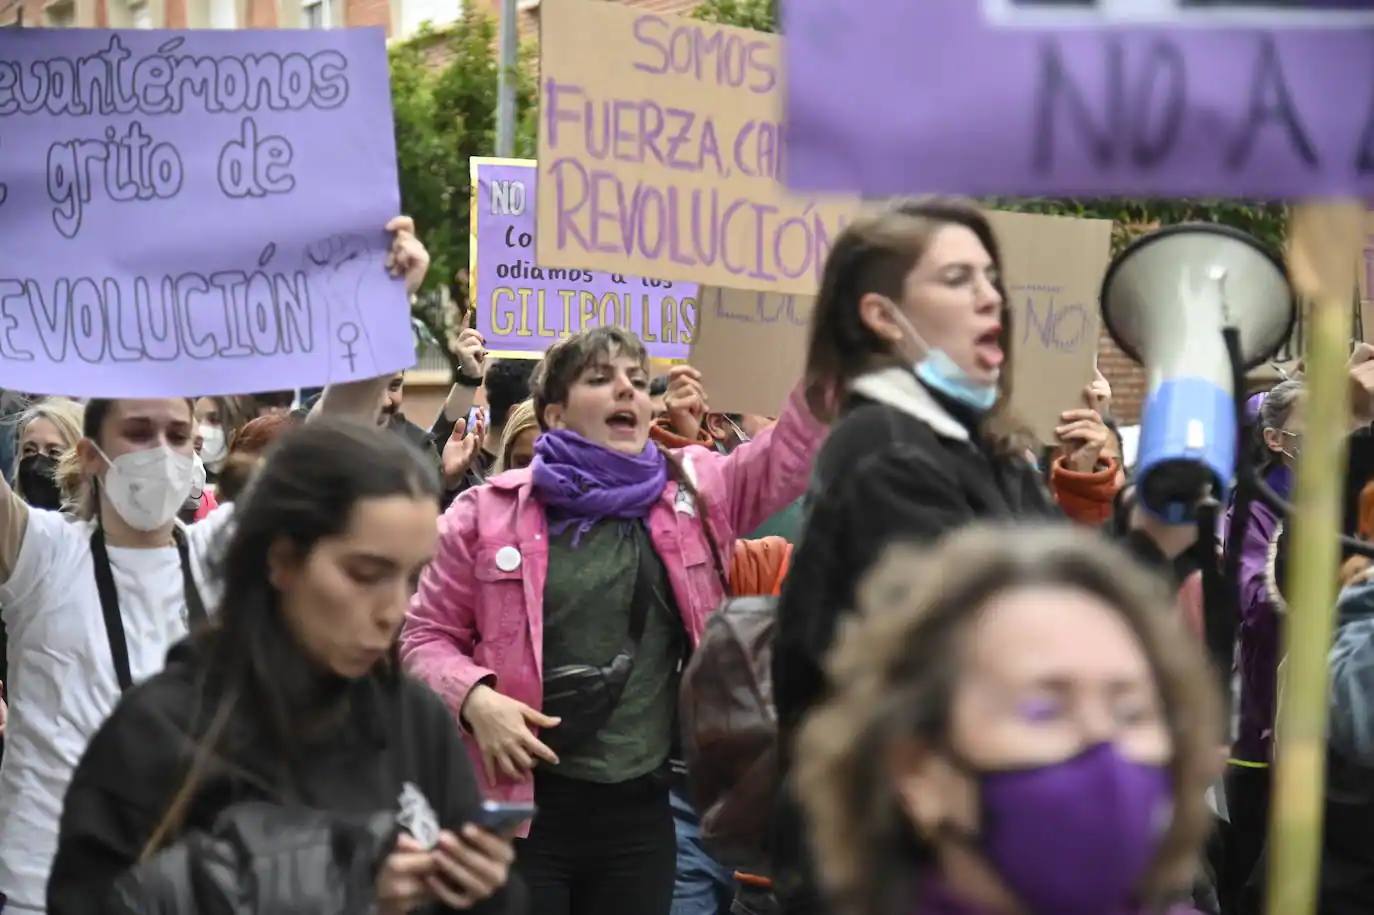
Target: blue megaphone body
{"x":1168,"y":300}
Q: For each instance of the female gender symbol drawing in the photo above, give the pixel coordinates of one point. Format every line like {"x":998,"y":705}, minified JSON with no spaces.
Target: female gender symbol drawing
{"x":339,"y":265}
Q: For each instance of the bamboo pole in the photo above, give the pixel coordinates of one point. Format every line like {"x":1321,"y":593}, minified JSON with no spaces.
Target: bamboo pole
{"x":1324,"y":250}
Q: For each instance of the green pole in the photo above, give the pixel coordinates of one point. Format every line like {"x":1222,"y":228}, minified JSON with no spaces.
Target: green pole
{"x":1324,"y":246}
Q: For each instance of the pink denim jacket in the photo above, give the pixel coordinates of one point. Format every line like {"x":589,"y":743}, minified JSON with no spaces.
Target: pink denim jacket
{"x":478,"y":615}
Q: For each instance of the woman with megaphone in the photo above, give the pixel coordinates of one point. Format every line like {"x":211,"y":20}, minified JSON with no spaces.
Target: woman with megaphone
{"x":909,"y":356}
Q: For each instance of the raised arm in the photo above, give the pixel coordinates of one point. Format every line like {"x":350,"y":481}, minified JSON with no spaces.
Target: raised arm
{"x":440,"y":631}
{"x":14,"y":524}
{"x":471,"y":350}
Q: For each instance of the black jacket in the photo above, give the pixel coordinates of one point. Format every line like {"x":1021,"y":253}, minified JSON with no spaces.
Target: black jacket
{"x":898,"y":466}
{"x":393,"y":731}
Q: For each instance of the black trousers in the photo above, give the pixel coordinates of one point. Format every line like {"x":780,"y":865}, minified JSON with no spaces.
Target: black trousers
{"x":599,"y":849}
{"x":1240,"y":881}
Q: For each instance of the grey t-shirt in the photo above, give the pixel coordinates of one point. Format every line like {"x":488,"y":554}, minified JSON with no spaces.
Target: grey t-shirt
{"x":586,"y":620}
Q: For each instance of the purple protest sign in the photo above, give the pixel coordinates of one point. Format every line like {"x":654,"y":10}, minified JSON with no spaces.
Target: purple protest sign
{"x":952,"y":103}
{"x":523,"y":308}
{"x":196,"y":212}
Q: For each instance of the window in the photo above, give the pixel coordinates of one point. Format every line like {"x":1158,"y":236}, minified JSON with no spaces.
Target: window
{"x":318,"y":14}
{"x":223,"y":14}
{"x":60,"y":14}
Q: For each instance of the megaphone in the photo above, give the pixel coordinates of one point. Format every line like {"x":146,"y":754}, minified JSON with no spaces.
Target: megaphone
{"x":1196,"y":305}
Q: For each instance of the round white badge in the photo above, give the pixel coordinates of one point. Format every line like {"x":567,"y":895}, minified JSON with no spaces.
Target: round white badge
{"x":508,"y":559}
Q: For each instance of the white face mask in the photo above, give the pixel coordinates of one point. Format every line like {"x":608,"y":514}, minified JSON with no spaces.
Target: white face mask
{"x":148,"y":487}
{"x":213,"y":448}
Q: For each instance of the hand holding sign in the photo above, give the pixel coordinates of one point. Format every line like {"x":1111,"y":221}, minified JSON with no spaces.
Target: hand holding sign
{"x":407,"y":258}
{"x":685,"y":400}
{"x":1083,"y":436}
{"x":1362,"y":384}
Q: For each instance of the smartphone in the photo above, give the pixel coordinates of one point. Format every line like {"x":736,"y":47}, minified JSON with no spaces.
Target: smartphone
{"x":502,"y":819}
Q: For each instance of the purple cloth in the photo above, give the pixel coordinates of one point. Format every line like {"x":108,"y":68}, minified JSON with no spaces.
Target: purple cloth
{"x":1258,"y":635}
{"x":580,"y":483}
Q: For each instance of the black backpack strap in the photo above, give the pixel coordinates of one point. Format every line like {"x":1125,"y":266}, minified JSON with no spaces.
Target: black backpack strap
{"x":195,"y":607}
{"x":109,"y":600}
{"x":643,"y":595}
{"x":109,"y":607}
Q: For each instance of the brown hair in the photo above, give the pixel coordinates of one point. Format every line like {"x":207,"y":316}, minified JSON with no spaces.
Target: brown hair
{"x":71,"y":475}
{"x":234,"y":413}
{"x":566,"y":360}
{"x":896,"y":670}
{"x":564,"y":363}
{"x":246,"y":449}
{"x":874,"y":254}
{"x":519,"y":420}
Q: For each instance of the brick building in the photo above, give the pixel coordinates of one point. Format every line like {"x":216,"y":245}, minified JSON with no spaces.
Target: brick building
{"x":398,"y":17}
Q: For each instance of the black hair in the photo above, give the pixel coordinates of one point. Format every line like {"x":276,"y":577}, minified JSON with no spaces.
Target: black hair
{"x":659,"y":386}
{"x":256,"y":695}
{"x":507,"y":382}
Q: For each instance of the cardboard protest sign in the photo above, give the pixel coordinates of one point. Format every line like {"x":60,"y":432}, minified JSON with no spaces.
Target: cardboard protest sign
{"x":522,"y":308}
{"x":1228,"y":111}
{"x":1054,"y":267}
{"x":751,"y":349}
{"x":752,"y":345}
{"x":660,"y":151}
{"x":196,"y":212}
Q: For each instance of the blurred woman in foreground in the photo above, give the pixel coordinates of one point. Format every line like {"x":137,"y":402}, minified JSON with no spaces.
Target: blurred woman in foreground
{"x":281,"y":762}
{"x":1018,"y":726}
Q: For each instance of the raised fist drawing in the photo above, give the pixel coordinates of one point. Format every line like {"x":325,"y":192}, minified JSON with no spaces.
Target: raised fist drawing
{"x":338,"y":267}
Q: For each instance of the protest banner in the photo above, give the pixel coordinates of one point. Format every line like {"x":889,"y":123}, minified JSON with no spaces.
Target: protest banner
{"x":1280,"y":13}
{"x":522,"y":308}
{"x":196,"y":212}
{"x":1162,"y":111}
{"x":751,"y":347}
{"x":660,"y":153}
{"x":1054,"y":267}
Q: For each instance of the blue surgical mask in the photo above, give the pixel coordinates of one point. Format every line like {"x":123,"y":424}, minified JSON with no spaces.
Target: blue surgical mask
{"x":939,"y":372}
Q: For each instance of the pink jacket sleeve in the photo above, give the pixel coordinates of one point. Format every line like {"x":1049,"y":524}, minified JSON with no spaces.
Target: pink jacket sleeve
{"x":764,"y":476}
{"x":440,"y":629}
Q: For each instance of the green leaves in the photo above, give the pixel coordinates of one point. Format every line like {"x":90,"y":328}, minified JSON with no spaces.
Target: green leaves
{"x":443,"y":90}
{"x":761,"y":15}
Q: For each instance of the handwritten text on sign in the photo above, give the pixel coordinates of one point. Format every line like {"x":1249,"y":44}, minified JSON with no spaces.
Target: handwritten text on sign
{"x":522,"y":307}
{"x":660,"y":151}
{"x":1214,"y":112}
{"x":195,"y":212}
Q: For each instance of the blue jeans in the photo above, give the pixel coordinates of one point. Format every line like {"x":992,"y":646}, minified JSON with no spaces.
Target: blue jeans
{"x":702,"y":887}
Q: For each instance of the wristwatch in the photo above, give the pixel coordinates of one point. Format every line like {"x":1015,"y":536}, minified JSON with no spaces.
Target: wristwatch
{"x":468,"y":381}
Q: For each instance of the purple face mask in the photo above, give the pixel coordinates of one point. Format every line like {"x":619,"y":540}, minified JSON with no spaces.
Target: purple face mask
{"x":1075,"y":837}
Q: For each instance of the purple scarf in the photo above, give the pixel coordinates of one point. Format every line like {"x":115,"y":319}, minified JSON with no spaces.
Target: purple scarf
{"x":581,"y":483}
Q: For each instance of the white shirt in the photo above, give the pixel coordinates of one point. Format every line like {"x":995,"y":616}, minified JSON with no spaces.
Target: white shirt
{"x":62,"y":682}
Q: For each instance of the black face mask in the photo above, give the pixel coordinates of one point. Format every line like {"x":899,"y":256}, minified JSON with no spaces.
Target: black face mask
{"x":38,"y":481}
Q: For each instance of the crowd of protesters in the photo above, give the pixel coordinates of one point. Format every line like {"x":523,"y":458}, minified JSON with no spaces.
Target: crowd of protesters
{"x":584,"y":645}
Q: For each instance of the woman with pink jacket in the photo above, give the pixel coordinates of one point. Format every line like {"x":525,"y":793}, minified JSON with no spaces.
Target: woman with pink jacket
{"x":564,"y":601}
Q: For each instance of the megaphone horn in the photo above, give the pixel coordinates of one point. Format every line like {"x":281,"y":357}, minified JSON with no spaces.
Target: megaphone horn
{"x":1170,"y":300}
